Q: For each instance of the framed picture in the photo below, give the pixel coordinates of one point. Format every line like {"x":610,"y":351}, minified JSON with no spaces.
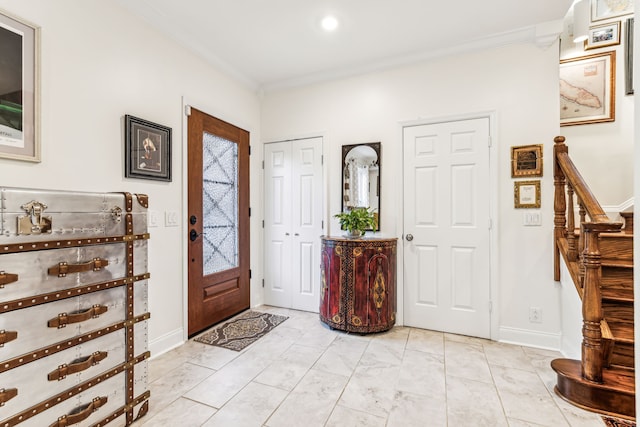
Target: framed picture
{"x":587,"y":89}
{"x":603,"y":35}
{"x":628,"y":58}
{"x":147,"y":149}
{"x":526,"y":160}
{"x":605,"y":9}
{"x":526,"y":194}
{"x":19,"y":89}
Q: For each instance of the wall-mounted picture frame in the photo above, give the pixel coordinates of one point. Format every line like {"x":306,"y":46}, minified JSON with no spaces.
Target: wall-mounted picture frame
{"x":587,"y":89}
{"x":147,"y":149}
{"x":19,"y":89}
{"x":526,"y":194}
{"x":603,"y":36}
{"x":628,"y":57}
{"x":526,"y":161}
{"x":606,"y":9}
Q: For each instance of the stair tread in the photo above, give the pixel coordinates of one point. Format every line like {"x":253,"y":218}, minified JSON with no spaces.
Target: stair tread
{"x":622,"y":331}
{"x":624,"y":295}
{"x":617,"y":263}
{"x":622,"y":380}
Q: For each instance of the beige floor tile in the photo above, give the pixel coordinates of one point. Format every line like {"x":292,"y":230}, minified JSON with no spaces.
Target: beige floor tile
{"x":520,"y":423}
{"x":250,"y":407}
{"x":342,"y":356}
{"x":473,"y":403}
{"x":290,"y":367}
{"x":511,"y":356}
{"x":347,"y":417}
{"x":182,"y":412}
{"x":465,"y":359}
{"x":525,"y":397}
{"x":371,"y":389}
{"x":311,"y":401}
{"x":379,"y":354}
{"x":427,"y":341}
{"x":411,"y":410}
{"x":423,"y":374}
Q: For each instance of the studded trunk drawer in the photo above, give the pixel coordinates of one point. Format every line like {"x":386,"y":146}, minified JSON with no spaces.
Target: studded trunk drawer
{"x":43,"y":325}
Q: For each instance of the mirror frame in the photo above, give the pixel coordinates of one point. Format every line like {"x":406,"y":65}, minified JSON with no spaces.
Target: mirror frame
{"x":345,"y":150}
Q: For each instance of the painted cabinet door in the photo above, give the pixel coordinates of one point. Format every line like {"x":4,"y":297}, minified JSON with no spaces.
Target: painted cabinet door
{"x":293,"y":223}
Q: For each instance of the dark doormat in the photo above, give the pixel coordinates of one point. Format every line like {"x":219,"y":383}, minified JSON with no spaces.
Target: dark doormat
{"x":616,"y":422}
{"x":242,"y":330}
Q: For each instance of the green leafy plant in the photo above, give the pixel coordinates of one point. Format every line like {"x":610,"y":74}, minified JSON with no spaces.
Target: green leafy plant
{"x":357,"y":220}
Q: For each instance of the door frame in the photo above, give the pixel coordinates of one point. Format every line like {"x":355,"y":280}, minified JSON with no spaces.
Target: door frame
{"x":493,"y":211}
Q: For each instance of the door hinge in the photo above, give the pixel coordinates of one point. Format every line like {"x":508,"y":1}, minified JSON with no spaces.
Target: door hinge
{"x":323,"y":224}
{"x":263,"y":283}
{"x":490,"y":142}
{"x":490,"y":306}
{"x":249,"y":273}
{"x":249,"y":211}
{"x":249,"y":150}
{"x":322,"y":159}
{"x":187,"y":110}
{"x":263,"y":164}
{"x":490,"y":224}
{"x":263,"y":223}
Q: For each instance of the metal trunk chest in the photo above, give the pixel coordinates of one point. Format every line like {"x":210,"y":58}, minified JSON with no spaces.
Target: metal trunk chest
{"x":73,"y":308}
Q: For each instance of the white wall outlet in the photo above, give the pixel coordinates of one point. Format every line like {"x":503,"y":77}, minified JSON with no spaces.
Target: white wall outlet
{"x":171,"y":218}
{"x":532,"y":218}
{"x":535,"y":315}
{"x":153,"y":218}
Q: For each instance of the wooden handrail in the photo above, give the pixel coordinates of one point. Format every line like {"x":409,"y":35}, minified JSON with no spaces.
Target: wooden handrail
{"x":568,"y":181}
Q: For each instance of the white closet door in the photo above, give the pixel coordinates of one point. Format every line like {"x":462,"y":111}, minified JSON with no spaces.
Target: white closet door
{"x":293,"y":223}
{"x":277,"y":224}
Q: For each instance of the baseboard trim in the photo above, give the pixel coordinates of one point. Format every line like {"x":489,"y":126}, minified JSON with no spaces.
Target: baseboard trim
{"x":529,"y":338}
{"x":166,"y":342}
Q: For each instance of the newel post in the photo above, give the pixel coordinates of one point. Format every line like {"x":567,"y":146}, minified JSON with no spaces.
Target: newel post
{"x":559,"y":203}
{"x":592,"y":348}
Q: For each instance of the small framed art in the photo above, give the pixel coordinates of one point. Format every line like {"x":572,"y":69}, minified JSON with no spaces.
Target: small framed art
{"x":526,"y":161}
{"x":147,"y":149}
{"x":587,"y":89}
{"x":19,"y":94}
{"x":603,"y":35}
{"x":628,"y":58}
{"x":526,"y":194}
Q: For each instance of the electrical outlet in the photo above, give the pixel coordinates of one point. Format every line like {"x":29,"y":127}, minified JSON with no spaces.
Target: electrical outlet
{"x":535,"y":315}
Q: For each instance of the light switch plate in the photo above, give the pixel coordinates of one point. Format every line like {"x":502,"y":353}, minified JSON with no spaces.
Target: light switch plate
{"x":153,"y":218}
{"x":532,"y":219}
{"x":171,"y":218}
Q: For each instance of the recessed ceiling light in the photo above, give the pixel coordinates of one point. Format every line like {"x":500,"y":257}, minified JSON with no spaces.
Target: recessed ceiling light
{"x":329,"y":23}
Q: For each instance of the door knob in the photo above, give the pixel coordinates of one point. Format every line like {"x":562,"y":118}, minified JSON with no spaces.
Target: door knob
{"x":409,"y":237}
{"x":193,"y":219}
{"x":193,"y":235}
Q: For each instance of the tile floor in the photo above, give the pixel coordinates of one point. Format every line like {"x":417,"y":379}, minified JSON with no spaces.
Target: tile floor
{"x":304,"y":374}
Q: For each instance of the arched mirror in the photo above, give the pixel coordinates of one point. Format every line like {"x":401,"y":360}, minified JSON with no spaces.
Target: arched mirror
{"x":361,"y":177}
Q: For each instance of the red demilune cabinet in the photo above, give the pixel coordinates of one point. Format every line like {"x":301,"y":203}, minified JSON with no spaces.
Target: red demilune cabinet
{"x":358,"y":284}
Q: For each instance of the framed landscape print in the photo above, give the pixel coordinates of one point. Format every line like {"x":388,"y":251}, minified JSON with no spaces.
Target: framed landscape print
{"x":19,"y":80}
{"x":603,"y":35}
{"x":147,"y":150}
{"x":587,"y":89}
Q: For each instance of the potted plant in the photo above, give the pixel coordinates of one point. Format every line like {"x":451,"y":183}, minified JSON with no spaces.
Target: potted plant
{"x":357,"y":220}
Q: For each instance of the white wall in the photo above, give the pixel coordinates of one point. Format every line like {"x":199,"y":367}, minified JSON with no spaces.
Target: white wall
{"x":520,"y":84}
{"x":99,"y":63}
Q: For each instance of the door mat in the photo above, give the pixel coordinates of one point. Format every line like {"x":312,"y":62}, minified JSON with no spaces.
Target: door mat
{"x":615,"y":422}
{"x":239,"y":332}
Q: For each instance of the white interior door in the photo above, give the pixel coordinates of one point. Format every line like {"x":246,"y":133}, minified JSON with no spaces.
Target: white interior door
{"x":447,"y":227}
{"x":293,"y":223}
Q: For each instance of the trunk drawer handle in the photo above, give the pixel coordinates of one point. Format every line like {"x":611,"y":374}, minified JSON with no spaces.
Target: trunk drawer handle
{"x":64,"y":268}
{"x":6,"y":278}
{"x":80,"y":413}
{"x":77,"y":366}
{"x":6,"y":336}
{"x":6,"y":394}
{"x":64,"y":319}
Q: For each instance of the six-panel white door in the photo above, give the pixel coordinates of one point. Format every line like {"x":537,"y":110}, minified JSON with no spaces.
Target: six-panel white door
{"x":293,"y":223}
{"x":447,"y":227}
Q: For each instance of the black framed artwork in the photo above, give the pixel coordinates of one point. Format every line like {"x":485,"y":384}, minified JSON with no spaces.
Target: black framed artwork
{"x":147,"y":149}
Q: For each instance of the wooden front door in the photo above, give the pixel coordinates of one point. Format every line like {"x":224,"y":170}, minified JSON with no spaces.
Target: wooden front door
{"x":218,"y":220}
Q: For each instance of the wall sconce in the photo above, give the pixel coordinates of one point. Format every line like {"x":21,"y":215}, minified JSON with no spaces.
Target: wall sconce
{"x":580,"y":21}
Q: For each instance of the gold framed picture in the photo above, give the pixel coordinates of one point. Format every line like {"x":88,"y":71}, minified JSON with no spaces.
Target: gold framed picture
{"x":526,"y":194}
{"x":526,"y":161}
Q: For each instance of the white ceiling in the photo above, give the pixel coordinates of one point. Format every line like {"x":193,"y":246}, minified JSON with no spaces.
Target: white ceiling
{"x":275,"y":43}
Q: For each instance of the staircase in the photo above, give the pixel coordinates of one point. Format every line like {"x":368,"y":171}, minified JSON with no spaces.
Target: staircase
{"x":599,"y":257}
